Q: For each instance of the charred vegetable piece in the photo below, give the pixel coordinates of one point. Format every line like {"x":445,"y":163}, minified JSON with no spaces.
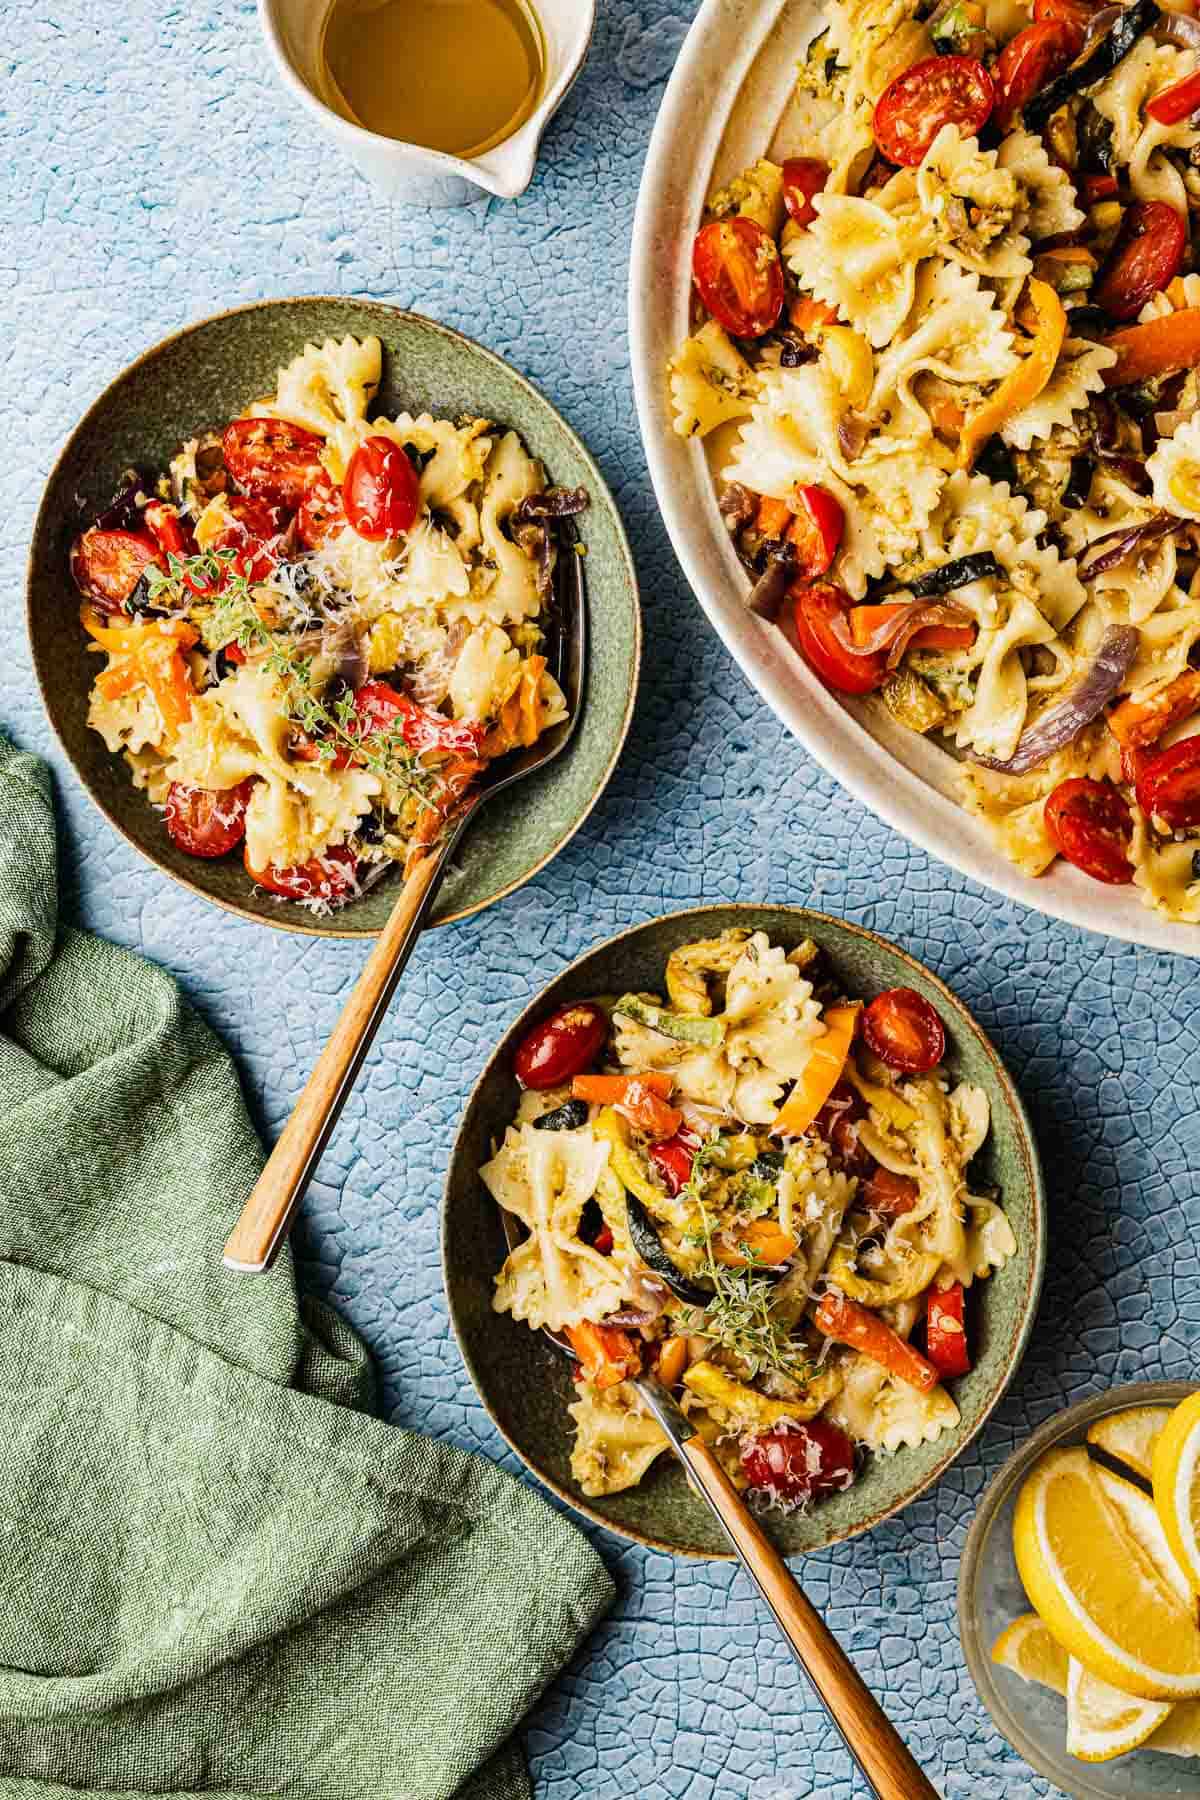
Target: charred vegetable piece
{"x":567,"y":1117}
{"x":913,"y":702}
{"x":1108,"y":52}
{"x":995,"y":460}
{"x":1079,"y":483}
{"x":685,"y":1028}
{"x":649,"y":1246}
{"x":958,"y":573}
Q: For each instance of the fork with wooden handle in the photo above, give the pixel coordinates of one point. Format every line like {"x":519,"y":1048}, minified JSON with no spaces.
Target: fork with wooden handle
{"x":868,"y":1734}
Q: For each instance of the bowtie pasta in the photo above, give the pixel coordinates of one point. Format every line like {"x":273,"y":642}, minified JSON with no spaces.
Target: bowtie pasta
{"x":760,"y":1192}
{"x":319,"y":626}
{"x":948,"y":340}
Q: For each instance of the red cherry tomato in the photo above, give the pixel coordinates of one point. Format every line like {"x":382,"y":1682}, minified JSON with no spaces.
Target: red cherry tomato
{"x":1147,"y":255}
{"x":253,"y":535}
{"x":794,"y":1463}
{"x":673,"y":1160}
{"x":803,"y":176}
{"x":837,"y":1124}
{"x":206,"y":821}
{"x":846,"y":671}
{"x":1031,"y":60}
{"x":170,"y":533}
{"x":736,"y":268}
{"x":1089,"y":822}
{"x":561,"y":1046}
{"x":1176,"y":103}
{"x":321,"y":516}
{"x":942,"y":90}
{"x":377,"y":705}
{"x":887,"y":1194}
{"x":382,"y":490}
{"x":1168,"y":787}
{"x":1073,"y":12}
{"x":946,"y":1331}
{"x":272,"y":459}
{"x":904,"y":1031}
{"x":107,"y":565}
{"x":603,"y":1241}
{"x":815,"y":532}
{"x":330,"y":878}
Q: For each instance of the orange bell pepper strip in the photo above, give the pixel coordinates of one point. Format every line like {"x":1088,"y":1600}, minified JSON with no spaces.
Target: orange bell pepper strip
{"x":672,"y":1361}
{"x":607,"y":1355}
{"x":1158,"y":346}
{"x":1027,"y":380}
{"x":610,"y":1090}
{"x":122,"y":640}
{"x":1138,"y":723}
{"x":520,"y":718}
{"x":150,"y":655}
{"x":822,"y":1072}
{"x":846,"y":1322}
{"x":866,"y":620}
{"x":807,"y":314}
{"x":773,"y":517}
{"x":763,"y":1239}
{"x":169,"y":680}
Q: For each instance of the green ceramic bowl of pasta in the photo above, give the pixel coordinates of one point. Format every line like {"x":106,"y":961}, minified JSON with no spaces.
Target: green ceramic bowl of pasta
{"x":526,"y":1383}
{"x":206,"y":374}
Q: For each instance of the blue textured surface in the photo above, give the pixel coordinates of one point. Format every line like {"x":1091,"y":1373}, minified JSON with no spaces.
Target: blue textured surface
{"x":156,"y":173}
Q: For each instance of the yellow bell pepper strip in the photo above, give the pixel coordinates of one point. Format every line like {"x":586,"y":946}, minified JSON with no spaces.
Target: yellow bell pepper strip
{"x":628,"y":1166}
{"x":1155,"y":348}
{"x":1138,"y":723}
{"x":841,"y":1271}
{"x":1026,"y":381}
{"x":896,"y":1111}
{"x":762,"y":1239}
{"x":746,"y":1408}
{"x":607,"y":1355}
{"x":846,"y":1322}
{"x":821,"y":1074}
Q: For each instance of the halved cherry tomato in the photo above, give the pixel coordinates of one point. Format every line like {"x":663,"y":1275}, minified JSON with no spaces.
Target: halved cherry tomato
{"x":794,"y":1462}
{"x":561,"y":1046}
{"x":170,"y":533}
{"x":207,"y":821}
{"x":803,"y":176}
{"x":1089,"y":822}
{"x":331,"y":878}
{"x":888,"y":1194}
{"x":837,"y":1123}
{"x":815,"y":532}
{"x":377,"y":705}
{"x":107,"y":565}
{"x":673,"y":1160}
{"x":1168,"y":787}
{"x":942,"y":90}
{"x":1097,"y":187}
{"x":1175,"y":103}
{"x":1146,"y":257}
{"x":736,"y":267}
{"x":252,"y":534}
{"x":945,"y":1330}
{"x":321,"y":516}
{"x":904,"y":1031}
{"x":1074,"y":12}
{"x":813,"y":611}
{"x":382,"y":490}
{"x":1029,"y":61}
{"x":272,"y":459}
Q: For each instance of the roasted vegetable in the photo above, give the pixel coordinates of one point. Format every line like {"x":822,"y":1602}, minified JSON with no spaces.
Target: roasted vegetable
{"x":912,"y":702}
{"x":821,"y":1073}
{"x":980,"y":567}
{"x":649,"y":1246}
{"x":1108,"y":51}
{"x":685,"y":1028}
{"x":567,"y":1117}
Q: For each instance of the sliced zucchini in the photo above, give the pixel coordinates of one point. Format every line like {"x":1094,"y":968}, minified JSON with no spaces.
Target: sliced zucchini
{"x":685,"y":1028}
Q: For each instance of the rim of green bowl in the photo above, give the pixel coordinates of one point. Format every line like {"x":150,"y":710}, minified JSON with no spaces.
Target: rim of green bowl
{"x":308,"y":927}
{"x":977,"y":1656}
{"x":1032,"y":1163}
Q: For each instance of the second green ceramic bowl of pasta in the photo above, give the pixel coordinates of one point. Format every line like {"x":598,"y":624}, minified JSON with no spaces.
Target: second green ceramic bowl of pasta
{"x":209,"y":372}
{"x":526,"y":1384}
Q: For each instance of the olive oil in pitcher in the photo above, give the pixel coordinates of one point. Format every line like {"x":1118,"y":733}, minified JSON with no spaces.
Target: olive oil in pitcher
{"x":452,"y":75}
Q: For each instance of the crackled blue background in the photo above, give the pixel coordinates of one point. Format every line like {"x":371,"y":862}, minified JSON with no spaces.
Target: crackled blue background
{"x":155,"y":172}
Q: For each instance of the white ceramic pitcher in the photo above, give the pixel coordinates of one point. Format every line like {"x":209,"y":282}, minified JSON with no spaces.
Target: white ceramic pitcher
{"x":409,"y":172}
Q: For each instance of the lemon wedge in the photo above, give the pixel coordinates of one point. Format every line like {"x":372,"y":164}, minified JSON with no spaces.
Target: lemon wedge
{"x":1027,"y":1648}
{"x":1180,"y":1735}
{"x":1176,"y":1476}
{"x":1097,"y":1587}
{"x":1130,"y":1436}
{"x":1139,"y":1516}
{"x":1102,"y":1722}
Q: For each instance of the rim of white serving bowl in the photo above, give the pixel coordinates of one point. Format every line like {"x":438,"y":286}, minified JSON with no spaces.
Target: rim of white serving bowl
{"x":717,"y":55}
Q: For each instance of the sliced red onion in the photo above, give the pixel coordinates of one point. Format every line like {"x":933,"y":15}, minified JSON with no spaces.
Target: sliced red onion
{"x":896,"y":633}
{"x":1180,"y":28}
{"x":1115,"y":546}
{"x":1086,"y":701}
{"x":1099,"y":23}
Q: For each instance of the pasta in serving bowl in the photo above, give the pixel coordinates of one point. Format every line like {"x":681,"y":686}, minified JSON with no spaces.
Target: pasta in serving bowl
{"x":320,"y":605}
{"x":832,"y":1261}
{"x":938,"y":287}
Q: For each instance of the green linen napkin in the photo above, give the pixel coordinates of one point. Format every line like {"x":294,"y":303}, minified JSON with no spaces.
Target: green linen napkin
{"x":219,"y":1574}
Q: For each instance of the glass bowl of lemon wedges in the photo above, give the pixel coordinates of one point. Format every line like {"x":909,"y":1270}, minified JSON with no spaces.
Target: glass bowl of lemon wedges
{"x":1078,"y":1595}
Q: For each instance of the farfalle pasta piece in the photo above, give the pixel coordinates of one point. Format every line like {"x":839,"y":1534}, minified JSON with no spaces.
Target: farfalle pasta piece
{"x":861,"y":260}
{"x":885,"y":1414}
{"x":615,"y":1441}
{"x":1174,"y":469}
{"x":996,"y":717}
{"x":545,"y":1179}
{"x":327,"y":385}
{"x":971,"y":204}
{"x":1048,"y":198}
{"x":507,"y":581}
{"x":1013,"y":807}
{"x":1139,"y":142}
{"x":1078,"y":374}
{"x":1133,"y":588}
{"x":711,"y":382}
{"x":129,"y":722}
{"x":486,"y":673}
{"x":955,"y":331}
{"x":1164,"y":874}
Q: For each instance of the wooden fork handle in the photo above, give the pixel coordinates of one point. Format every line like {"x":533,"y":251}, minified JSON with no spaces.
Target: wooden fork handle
{"x":869,"y":1734}
{"x":255,"y":1239}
